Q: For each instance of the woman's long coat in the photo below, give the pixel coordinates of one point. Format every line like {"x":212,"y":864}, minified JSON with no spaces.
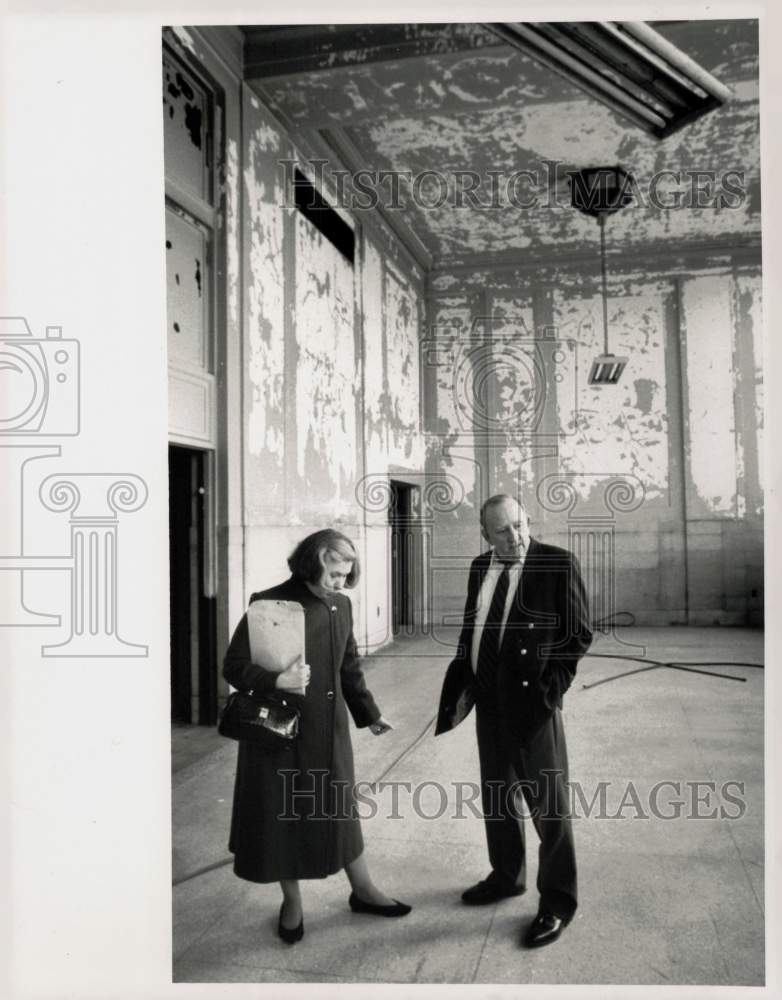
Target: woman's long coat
{"x":294,"y":810}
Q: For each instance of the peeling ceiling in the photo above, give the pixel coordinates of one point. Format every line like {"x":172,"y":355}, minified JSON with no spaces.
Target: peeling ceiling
{"x":455,"y":99}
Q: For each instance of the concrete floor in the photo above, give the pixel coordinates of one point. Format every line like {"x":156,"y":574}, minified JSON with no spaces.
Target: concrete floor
{"x":676,"y":901}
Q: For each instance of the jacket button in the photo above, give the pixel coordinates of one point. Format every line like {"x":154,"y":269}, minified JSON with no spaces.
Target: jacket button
{"x":524,"y":652}
{"x":329,"y":694}
{"x":525,"y":684}
{"x":333,"y":607}
{"x":531,"y":625}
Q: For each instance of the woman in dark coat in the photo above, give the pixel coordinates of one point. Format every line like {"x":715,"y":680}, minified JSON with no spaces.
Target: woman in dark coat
{"x":294,"y":813}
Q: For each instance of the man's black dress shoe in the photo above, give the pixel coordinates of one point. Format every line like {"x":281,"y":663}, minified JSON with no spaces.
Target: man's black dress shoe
{"x":488,"y":891}
{"x":544,"y":929}
{"x":288,"y":935}
{"x":397,"y":910}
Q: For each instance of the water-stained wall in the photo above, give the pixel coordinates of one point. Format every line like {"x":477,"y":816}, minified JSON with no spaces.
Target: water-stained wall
{"x":682,"y":431}
{"x":503,"y":117}
{"x":656,"y":482}
{"x":474,"y":375}
{"x":331,"y":378}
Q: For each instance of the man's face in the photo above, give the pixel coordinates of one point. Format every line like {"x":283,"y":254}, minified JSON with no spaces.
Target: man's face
{"x":505,"y":526}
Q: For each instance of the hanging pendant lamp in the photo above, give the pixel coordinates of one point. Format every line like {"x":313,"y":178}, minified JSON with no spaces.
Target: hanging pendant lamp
{"x":598,"y":192}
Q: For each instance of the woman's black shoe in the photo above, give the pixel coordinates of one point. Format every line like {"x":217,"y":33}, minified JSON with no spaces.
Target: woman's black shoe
{"x":290,"y":936}
{"x":397,"y":910}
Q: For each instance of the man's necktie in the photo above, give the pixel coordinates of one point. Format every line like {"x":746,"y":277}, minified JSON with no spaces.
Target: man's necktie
{"x":489,"y":648}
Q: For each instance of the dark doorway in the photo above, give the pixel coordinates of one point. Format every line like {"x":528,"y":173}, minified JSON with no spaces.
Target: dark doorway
{"x":402,"y":517}
{"x":193,"y":667}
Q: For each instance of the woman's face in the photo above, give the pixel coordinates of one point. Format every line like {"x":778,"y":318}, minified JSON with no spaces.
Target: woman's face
{"x":335,"y":571}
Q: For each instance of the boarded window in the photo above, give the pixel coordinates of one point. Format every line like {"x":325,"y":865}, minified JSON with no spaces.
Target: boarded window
{"x":187,"y":129}
{"x":187,"y":290}
{"x":317,"y":210}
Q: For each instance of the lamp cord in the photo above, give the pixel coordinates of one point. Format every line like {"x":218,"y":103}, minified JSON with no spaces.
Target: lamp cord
{"x":601,"y":220}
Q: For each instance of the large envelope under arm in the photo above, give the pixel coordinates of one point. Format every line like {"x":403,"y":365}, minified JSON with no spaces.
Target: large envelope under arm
{"x":276,"y":633}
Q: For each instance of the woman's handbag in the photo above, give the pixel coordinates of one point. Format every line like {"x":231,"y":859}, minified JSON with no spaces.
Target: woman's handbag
{"x":267,"y":723}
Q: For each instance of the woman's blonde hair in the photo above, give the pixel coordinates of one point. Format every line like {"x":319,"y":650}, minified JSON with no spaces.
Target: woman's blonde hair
{"x":305,"y":560}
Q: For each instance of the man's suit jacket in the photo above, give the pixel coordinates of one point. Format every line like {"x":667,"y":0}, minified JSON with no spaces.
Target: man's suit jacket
{"x":546,"y":634}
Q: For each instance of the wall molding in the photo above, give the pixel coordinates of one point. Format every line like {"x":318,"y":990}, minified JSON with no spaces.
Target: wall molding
{"x":227,"y":44}
{"x":622,"y":260}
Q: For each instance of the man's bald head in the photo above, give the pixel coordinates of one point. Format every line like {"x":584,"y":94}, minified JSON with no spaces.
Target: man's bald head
{"x":504,"y":524}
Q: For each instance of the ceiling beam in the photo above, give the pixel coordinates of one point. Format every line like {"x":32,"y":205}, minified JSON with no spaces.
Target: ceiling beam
{"x":626,"y":65}
{"x":284,"y":51}
{"x":352,"y":159}
{"x":626,"y":257}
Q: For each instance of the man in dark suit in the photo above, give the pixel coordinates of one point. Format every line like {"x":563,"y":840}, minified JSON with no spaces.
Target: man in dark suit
{"x":525,"y":628}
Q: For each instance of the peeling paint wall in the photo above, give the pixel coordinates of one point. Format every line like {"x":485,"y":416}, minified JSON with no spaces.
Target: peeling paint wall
{"x":683,"y":427}
{"x":187,"y":301}
{"x":232,"y":183}
{"x":332,"y":390}
{"x":325,"y":373}
{"x":392,"y":314}
{"x":509,"y":389}
{"x":495,"y":111}
{"x":391,"y":366}
{"x":452,"y":445}
{"x":264,"y":315}
{"x":708,"y":336}
{"x":203,"y":151}
{"x":625,"y":427}
{"x":749,"y":347}
{"x":578,"y":132}
{"x":341,"y":365}
{"x":185,"y":111}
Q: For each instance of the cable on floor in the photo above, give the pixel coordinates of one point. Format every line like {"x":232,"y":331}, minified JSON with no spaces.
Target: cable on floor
{"x":690,"y":666}
{"x":604,"y":624}
{"x":400,"y":757}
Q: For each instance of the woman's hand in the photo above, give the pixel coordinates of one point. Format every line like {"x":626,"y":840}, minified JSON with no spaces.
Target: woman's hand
{"x":295,"y":678}
{"x":381,"y":726}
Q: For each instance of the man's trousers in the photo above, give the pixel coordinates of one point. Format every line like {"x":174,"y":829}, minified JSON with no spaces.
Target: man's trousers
{"x":539,"y":773}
